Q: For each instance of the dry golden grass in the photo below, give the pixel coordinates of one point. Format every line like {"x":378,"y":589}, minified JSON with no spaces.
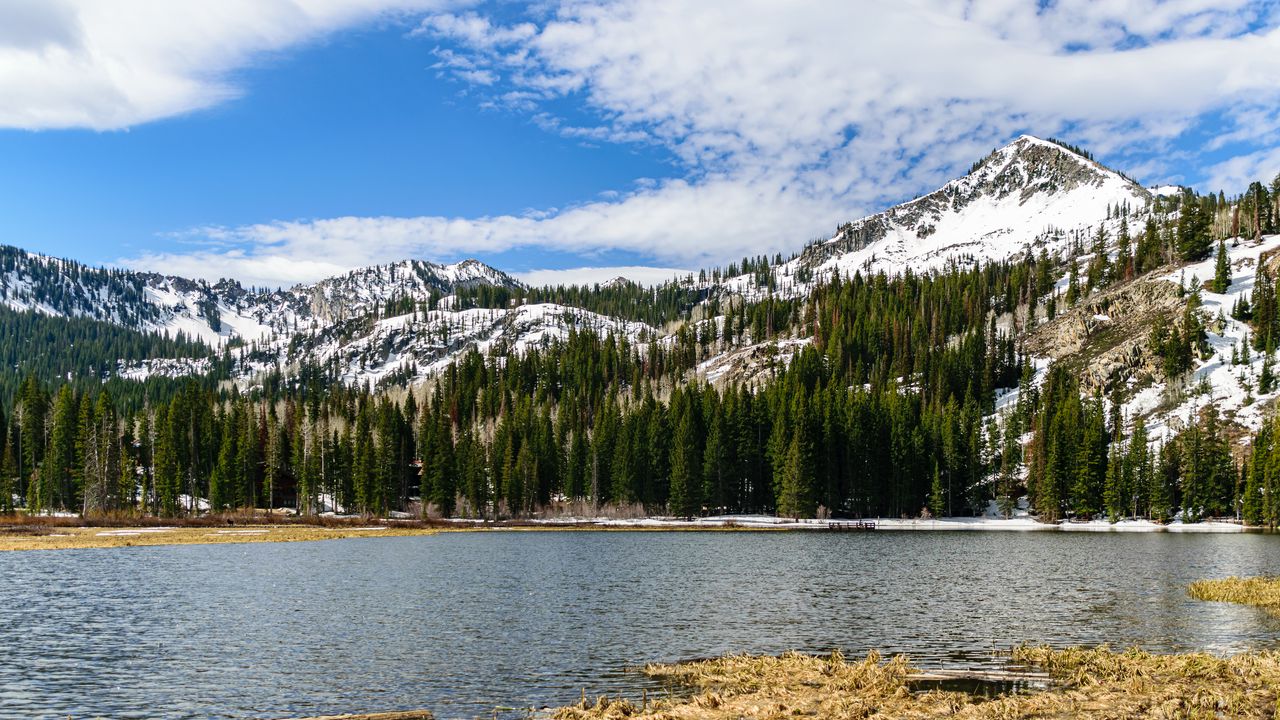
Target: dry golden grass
{"x":38,"y":537}
{"x":401,"y":715}
{"x":1260,"y":591}
{"x":1088,"y":684}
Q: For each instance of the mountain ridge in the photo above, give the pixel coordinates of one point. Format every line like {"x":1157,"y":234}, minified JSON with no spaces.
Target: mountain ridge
{"x":937,"y":227}
{"x":405,"y":320}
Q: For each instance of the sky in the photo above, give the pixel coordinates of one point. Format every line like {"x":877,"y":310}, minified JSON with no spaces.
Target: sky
{"x":283,"y":141}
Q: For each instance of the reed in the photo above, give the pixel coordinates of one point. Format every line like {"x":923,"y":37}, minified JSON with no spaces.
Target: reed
{"x":57,"y":537}
{"x":1263,"y":592}
{"x":1087,"y":683}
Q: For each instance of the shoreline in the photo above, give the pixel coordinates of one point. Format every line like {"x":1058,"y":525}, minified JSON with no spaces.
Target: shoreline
{"x":62,"y":533}
{"x":949,"y":524}
{"x":1088,"y":683}
{"x":86,"y":537}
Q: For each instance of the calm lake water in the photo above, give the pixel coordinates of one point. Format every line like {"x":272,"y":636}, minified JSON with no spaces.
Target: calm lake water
{"x":465,"y":623}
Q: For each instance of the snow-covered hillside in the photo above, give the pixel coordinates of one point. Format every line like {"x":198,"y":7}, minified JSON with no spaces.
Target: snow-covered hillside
{"x":403,"y":321}
{"x":1028,"y":195}
{"x":1227,"y":379}
{"x":418,"y":345}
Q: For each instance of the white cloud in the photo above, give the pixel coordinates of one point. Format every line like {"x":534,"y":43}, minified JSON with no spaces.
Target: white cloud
{"x":687,"y":223}
{"x":639,"y":274}
{"x":259,"y":269}
{"x":1234,"y":175}
{"x":790,"y":117}
{"x":113,"y":64}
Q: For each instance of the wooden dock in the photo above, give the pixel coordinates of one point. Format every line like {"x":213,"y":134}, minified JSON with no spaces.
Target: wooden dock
{"x":852,"y":526}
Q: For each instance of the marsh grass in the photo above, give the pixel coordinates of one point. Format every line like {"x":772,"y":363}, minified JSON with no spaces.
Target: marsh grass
{"x":1088,"y":683}
{"x":1263,"y":592}
{"x":42,"y":537}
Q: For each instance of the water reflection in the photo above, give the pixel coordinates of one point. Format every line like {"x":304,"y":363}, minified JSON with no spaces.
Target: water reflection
{"x":463,"y":623}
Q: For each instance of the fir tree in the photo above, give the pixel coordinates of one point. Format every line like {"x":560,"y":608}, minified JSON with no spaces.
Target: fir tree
{"x":1073,"y":284}
{"x":1222,"y":270}
{"x":685,"y":463}
{"x":795,"y":496}
{"x":8,"y":475}
{"x":1124,"y":253}
{"x":1267,"y":378}
{"x":937,"y":494}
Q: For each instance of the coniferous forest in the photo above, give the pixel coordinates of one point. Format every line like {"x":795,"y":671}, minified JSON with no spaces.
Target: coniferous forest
{"x":888,"y":411}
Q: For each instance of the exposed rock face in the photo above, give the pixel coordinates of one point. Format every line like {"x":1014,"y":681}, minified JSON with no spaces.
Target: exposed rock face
{"x":359,"y":291}
{"x":1105,"y":337}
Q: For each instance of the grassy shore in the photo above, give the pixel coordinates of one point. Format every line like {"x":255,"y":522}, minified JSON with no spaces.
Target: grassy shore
{"x":43,"y":537}
{"x":1087,"y":684}
{"x":1262,"y":592}
{"x":401,"y":715}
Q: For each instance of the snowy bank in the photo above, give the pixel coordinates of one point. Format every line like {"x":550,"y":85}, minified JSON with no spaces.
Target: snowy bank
{"x":769,"y":522}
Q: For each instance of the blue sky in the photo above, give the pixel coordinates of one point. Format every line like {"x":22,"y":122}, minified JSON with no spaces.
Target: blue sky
{"x":278,"y":141}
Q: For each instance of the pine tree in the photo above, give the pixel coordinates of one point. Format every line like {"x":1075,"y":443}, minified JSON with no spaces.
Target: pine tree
{"x":1091,"y":464}
{"x":576,"y":465}
{"x":715,"y":464}
{"x":1139,"y":463}
{"x":1267,"y":378}
{"x":1073,"y":284}
{"x":1222,"y":270}
{"x":937,"y":495}
{"x":1163,"y":480}
{"x":439,"y":462}
{"x":1113,"y":494}
{"x":685,"y":463}
{"x":795,"y":497}
{"x":1193,"y":239}
{"x":165,"y":463}
{"x":1252,"y":499}
{"x":1124,"y":252}
{"x":56,"y":481}
{"x":364,"y":472}
{"x":8,"y":475}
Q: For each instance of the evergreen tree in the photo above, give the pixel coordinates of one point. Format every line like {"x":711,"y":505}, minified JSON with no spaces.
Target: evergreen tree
{"x":8,"y":475}
{"x":937,"y":495}
{"x":165,"y":464}
{"x":1222,"y":270}
{"x":1124,"y":253}
{"x":796,"y":496}
{"x":1073,"y":284}
{"x":1194,"y":242}
{"x":685,"y":500}
{"x":715,"y":465}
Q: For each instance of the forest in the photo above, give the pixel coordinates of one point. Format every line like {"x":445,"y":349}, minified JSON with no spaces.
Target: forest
{"x":887,"y":410}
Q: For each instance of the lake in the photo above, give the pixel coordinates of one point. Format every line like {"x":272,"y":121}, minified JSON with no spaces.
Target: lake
{"x":466,"y":623}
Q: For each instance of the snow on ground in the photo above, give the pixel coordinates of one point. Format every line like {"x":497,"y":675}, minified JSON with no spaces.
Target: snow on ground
{"x":748,"y":362}
{"x":998,"y":224}
{"x":1233,"y":389}
{"x":431,"y":341}
{"x":162,"y":367}
{"x":1022,"y":524}
{"x":184,"y":501}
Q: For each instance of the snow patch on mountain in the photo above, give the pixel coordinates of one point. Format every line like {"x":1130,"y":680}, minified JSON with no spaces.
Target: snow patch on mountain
{"x":1025,"y":196}
{"x":1232,"y":388}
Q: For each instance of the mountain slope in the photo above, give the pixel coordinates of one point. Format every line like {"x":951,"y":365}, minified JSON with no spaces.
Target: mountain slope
{"x":401,"y":321}
{"x":1028,"y":195}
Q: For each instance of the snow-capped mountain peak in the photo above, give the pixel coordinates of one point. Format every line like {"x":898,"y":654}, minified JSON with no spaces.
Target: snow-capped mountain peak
{"x":1029,"y":194}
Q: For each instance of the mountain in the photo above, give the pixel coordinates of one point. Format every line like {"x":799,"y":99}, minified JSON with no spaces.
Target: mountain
{"x":1029,"y":195}
{"x":404,"y":320}
{"x":1006,"y":332}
